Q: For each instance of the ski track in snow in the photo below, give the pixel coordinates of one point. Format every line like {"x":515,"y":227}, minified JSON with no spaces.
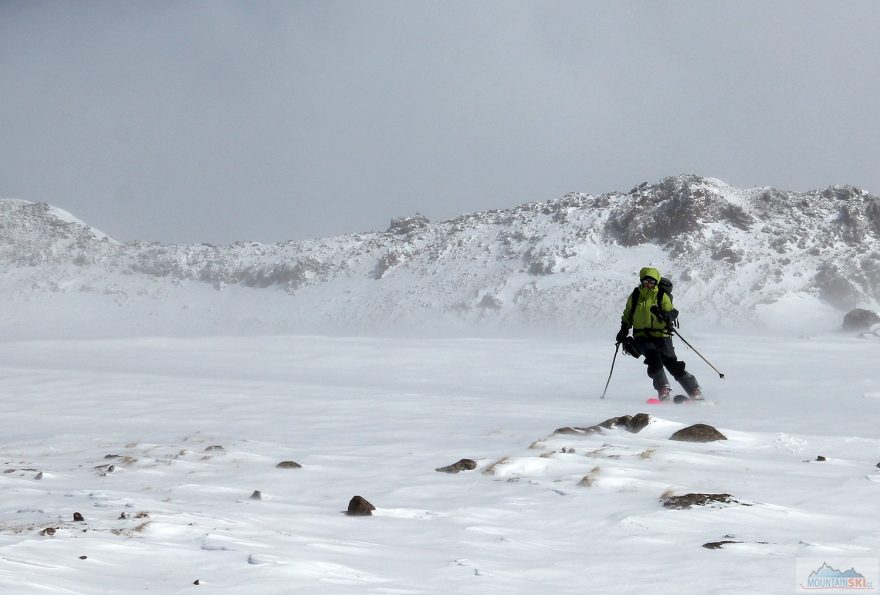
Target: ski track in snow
{"x":192,"y":427}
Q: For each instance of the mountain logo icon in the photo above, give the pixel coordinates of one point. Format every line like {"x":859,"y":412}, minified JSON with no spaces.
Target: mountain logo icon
{"x":827,"y":578}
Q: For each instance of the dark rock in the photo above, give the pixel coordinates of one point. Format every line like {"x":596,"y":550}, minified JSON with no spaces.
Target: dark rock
{"x":578,"y":431}
{"x":123,"y":516}
{"x":462,"y":465}
{"x":716,"y":545}
{"x":257,"y":495}
{"x":688,"y":500}
{"x":290,"y":275}
{"x":821,"y":458}
{"x":386,"y":263}
{"x":78,"y":517}
{"x":638,"y":422}
{"x":288,"y":465}
{"x":726,"y":252}
{"x":613,"y":422}
{"x":359,"y":507}
{"x":698,"y":433}
{"x":83,"y":557}
{"x":632,"y":423}
{"x":405,"y":225}
{"x":658,"y":212}
{"x":196,"y":582}
{"x":38,"y":476}
{"x":213,"y":448}
{"x":878,"y":465}
{"x":539,"y":262}
{"x":48,"y":531}
{"x":859,"y":320}
{"x":835,"y":286}
{"x":103,"y":470}
{"x":489,"y":302}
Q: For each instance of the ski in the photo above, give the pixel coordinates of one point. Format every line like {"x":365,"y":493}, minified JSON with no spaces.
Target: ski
{"x":676,"y":400}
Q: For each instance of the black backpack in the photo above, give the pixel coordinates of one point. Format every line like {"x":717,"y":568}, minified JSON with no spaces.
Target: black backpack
{"x":664,"y":287}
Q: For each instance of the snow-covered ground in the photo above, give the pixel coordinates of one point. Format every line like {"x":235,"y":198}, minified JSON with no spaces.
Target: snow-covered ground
{"x":193,"y":426}
{"x":154,"y":389}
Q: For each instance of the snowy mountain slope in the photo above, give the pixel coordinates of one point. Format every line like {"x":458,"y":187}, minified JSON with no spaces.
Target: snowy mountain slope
{"x":33,"y":234}
{"x":736,"y":256}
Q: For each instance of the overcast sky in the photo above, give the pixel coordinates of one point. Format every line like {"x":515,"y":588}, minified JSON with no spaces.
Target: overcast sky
{"x":218,"y":121}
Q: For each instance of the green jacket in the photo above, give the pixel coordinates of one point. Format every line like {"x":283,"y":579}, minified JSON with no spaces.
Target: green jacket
{"x":642,"y":321}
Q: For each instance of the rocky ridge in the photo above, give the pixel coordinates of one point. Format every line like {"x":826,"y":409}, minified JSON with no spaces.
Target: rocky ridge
{"x":735,"y":256}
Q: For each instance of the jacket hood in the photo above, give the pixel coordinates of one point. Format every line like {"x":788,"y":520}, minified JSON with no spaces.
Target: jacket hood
{"x":649,"y":272}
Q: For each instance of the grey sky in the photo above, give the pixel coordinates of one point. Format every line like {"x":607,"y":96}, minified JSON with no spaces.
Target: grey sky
{"x":218,"y":121}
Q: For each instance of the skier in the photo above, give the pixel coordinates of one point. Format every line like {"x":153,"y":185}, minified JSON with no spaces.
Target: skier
{"x":651,"y":320}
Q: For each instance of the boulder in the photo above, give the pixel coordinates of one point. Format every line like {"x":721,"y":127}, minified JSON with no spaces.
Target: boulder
{"x":638,"y":422}
{"x":462,"y":465}
{"x":698,"y":433}
{"x":859,"y":320}
{"x":632,"y":423}
{"x":358,"y":506}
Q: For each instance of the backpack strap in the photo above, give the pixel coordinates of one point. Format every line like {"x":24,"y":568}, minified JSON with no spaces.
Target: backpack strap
{"x":634,"y":300}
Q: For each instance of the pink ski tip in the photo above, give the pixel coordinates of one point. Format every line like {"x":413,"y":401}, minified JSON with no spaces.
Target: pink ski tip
{"x":653,"y":401}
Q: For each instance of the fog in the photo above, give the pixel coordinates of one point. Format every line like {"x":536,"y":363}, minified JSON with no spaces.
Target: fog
{"x":221,"y":121}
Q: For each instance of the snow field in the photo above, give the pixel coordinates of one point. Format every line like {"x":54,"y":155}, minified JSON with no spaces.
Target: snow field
{"x":192,"y":427}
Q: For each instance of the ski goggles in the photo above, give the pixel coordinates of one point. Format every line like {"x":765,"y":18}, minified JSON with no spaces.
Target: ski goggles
{"x":649,"y":281}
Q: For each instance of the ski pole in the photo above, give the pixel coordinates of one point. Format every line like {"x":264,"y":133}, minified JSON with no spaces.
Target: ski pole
{"x":616,"y":348}
{"x":695,"y":351}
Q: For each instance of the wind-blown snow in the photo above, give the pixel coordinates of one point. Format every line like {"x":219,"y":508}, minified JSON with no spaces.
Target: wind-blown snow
{"x":192,"y":427}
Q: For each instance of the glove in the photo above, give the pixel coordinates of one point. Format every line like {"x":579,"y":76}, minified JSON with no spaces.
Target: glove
{"x":623,"y":333}
{"x":668,"y":317}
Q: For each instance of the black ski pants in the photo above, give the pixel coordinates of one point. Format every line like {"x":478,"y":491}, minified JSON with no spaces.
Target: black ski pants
{"x":659,"y":354}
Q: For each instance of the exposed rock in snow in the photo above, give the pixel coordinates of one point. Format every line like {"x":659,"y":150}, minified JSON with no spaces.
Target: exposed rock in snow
{"x":461,"y":465}
{"x":698,"y":433}
{"x":690,"y":500}
{"x":359,"y":506}
{"x":860,"y":319}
